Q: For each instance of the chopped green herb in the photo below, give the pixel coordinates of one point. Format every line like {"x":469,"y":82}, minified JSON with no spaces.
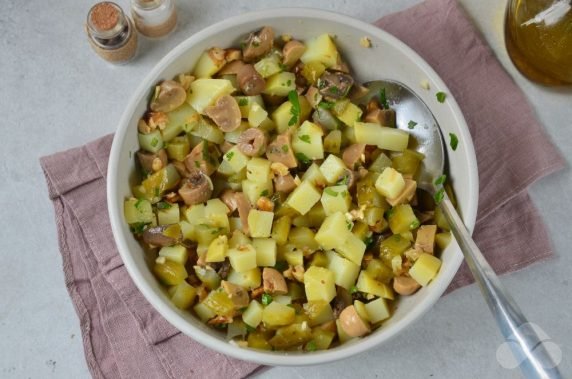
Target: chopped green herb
{"x":283,"y":67}
{"x":334,"y":90}
{"x":344,"y":193}
{"x":243,"y":45}
{"x":383,"y":99}
{"x":311,"y":346}
{"x":368,"y":242}
{"x":349,"y":224}
{"x":275,"y":197}
{"x":305,"y":138}
{"x":414,"y":225}
{"x":326,"y":104}
{"x":285,"y":148}
{"x":303,"y":158}
{"x":344,"y":181}
{"x":295,"y":109}
{"x":138,"y":203}
{"x":454,"y":141}
{"x":411,"y":124}
{"x":388,"y":213}
{"x":439,"y":196}
{"x":249,"y":328}
{"x":229,"y":155}
{"x":197,"y":164}
{"x":264,"y":193}
{"x":266,"y":299}
{"x":241,"y":310}
{"x":440,"y":180}
{"x":441,"y":96}
{"x":288,"y":83}
{"x":138,"y":227}
{"x":353,"y":290}
{"x":243,"y":102}
{"x":281,"y":266}
{"x":331,"y":192}
{"x":154,"y":142}
{"x":163,"y":205}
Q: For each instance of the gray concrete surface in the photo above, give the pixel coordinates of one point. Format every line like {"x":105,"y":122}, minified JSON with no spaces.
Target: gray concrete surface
{"x":56,"y":94}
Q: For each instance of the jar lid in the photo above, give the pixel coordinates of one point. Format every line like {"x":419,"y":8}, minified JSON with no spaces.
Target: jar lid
{"x":105,"y":20}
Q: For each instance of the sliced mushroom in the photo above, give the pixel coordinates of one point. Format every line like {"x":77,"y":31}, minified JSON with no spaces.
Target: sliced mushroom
{"x":169,"y":95}
{"x":341,"y":301}
{"x":244,"y":208}
{"x":405,"y":285}
{"x":349,"y":178}
{"x":229,"y":199}
{"x":196,"y":189}
{"x":292,"y":51}
{"x":383,"y":117}
{"x":237,"y":294}
{"x":225,"y":113}
{"x":163,"y":235}
{"x":273,"y":282}
{"x":151,"y":162}
{"x":232,"y":68}
{"x":352,"y":154}
{"x":284,"y":183}
{"x":313,"y":96}
{"x":352,"y":323}
{"x":224,"y":269}
{"x":335,"y":85}
{"x":258,"y":44}
{"x":252,"y":142}
{"x":251,"y":83}
{"x":201,"y":158}
{"x":280,"y":150}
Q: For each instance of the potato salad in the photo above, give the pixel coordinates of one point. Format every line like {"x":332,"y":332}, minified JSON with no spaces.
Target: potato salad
{"x":274,"y":206}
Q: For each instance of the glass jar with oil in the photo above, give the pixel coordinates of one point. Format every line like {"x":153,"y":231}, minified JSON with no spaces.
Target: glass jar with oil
{"x":538,"y":37}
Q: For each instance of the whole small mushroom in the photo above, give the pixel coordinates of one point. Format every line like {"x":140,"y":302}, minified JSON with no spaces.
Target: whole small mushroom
{"x":405,"y":285}
{"x":196,"y":189}
{"x":169,"y":96}
{"x":251,"y":83}
{"x":335,"y":85}
{"x":258,"y":44}
{"x":352,"y":323}
{"x":225,"y":113}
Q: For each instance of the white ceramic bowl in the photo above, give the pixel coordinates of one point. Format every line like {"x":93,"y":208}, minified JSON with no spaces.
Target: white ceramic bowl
{"x":388,"y":58}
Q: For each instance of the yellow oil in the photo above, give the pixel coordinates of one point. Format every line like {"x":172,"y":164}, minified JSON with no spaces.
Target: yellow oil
{"x":538,"y":37}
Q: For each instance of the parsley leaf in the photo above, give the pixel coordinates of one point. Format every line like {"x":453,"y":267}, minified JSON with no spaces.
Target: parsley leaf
{"x":303,"y":158}
{"x":411,"y":124}
{"x":249,"y":328}
{"x":266,"y":299}
{"x":368,"y":242}
{"x":264,"y":193}
{"x":138,"y":203}
{"x":441,"y":96}
{"x":163,"y":205}
{"x":414,"y":225}
{"x":281,"y":266}
{"x":295,"y":109}
{"x":243,"y":102}
{"x":326,"y":104}
{"x":440,"y":180}
{"x":353,"y":290}
{"x":229,"y":155}
{"x":330,"y":192}
{"x":285,"y":148}
{"x":439,"y":196}
{"x":304,"y":138}
{"x":154,"y":142}
{"x":383,"y":99}
{"x":454,"y":141}
{"x":311,"y":346}
{"x":349,"y":224}
{"x":138,"y":227}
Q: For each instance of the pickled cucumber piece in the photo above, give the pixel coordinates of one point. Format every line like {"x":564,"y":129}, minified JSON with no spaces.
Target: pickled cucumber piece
{"x":170,"y":273}
{"x":220,"y":303}
{"x":138,"y":211}
{"x":217,"y":249}
{"x":183,"y":295}
{"x":292,"y":335}
{"x":402,"y":219}
{"x":276,"y":314}
{"x":177,"y":253}
{"x":252,"y":316}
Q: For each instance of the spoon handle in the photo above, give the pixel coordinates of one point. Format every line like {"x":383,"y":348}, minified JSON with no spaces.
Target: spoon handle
{"x":525,"y":343}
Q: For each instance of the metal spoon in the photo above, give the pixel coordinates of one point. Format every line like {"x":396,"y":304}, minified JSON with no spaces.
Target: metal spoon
{"x":525,"y":343}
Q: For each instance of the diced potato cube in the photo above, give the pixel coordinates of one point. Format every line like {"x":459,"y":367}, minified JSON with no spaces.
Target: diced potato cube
{"x":321,"y":49}
{"x":390,"y":183}
{"x":283,"y":299}
{"x":377,"y":310}
{"x":294,"y":257}
{"x":280,"y":84}
{"x":322,"y":338}
{"x":383,"y":137}
{"x":242,"y":258}
{"x":333,"y":142}
{"x":312,"y":71}
{"x":314,"y":175}
{"x":303,"y":238}
{"x":283,"y":117}
{"x":319,"y":284}
{"x":333,"y":232}
{"x":402,"y":219}
{"x":188,"y":230}
{"x":307,"y":140}
{"x":265,"y":251}
{"x":268,"y":65}
{"x":345,"y":271}
{"x":209,"y":63}
{"x":303,"y":198}
{"x":332,"y":168}
{"x":183,"y":295}
{"x":350,"y":115}
{"x":318,"y":312}
{"x":252,"y":316}
{"x":235,"y":159}
{"x":352,"y":248}
{"x":425,"y":268}
{"x":281,"y":229}
{"x":336,"y":199}
{"x":255,"y":190}
{"x":366,"y":283}
{"x":204,"y":312}
{"x":276,"y":314}
{"x":426,"y":238}
{"x":258,"y":170}
{"x":256,"y":115}
{"x":360,"y":309}
{"x":177,"y":253}
{"x":183,"y":118}
{"x":248,"y":279}
{"x":405,"y":195}
{"x":260,"y":223}
{"x":138,"y":211}
{"x":205,"y":92}
{"x":217,"y":249}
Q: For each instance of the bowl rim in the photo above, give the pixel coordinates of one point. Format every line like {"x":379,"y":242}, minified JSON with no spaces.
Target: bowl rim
{"x":259,"y":356}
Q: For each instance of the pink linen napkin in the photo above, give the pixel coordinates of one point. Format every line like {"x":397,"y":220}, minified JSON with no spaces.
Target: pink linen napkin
{"x":125,"y":337}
